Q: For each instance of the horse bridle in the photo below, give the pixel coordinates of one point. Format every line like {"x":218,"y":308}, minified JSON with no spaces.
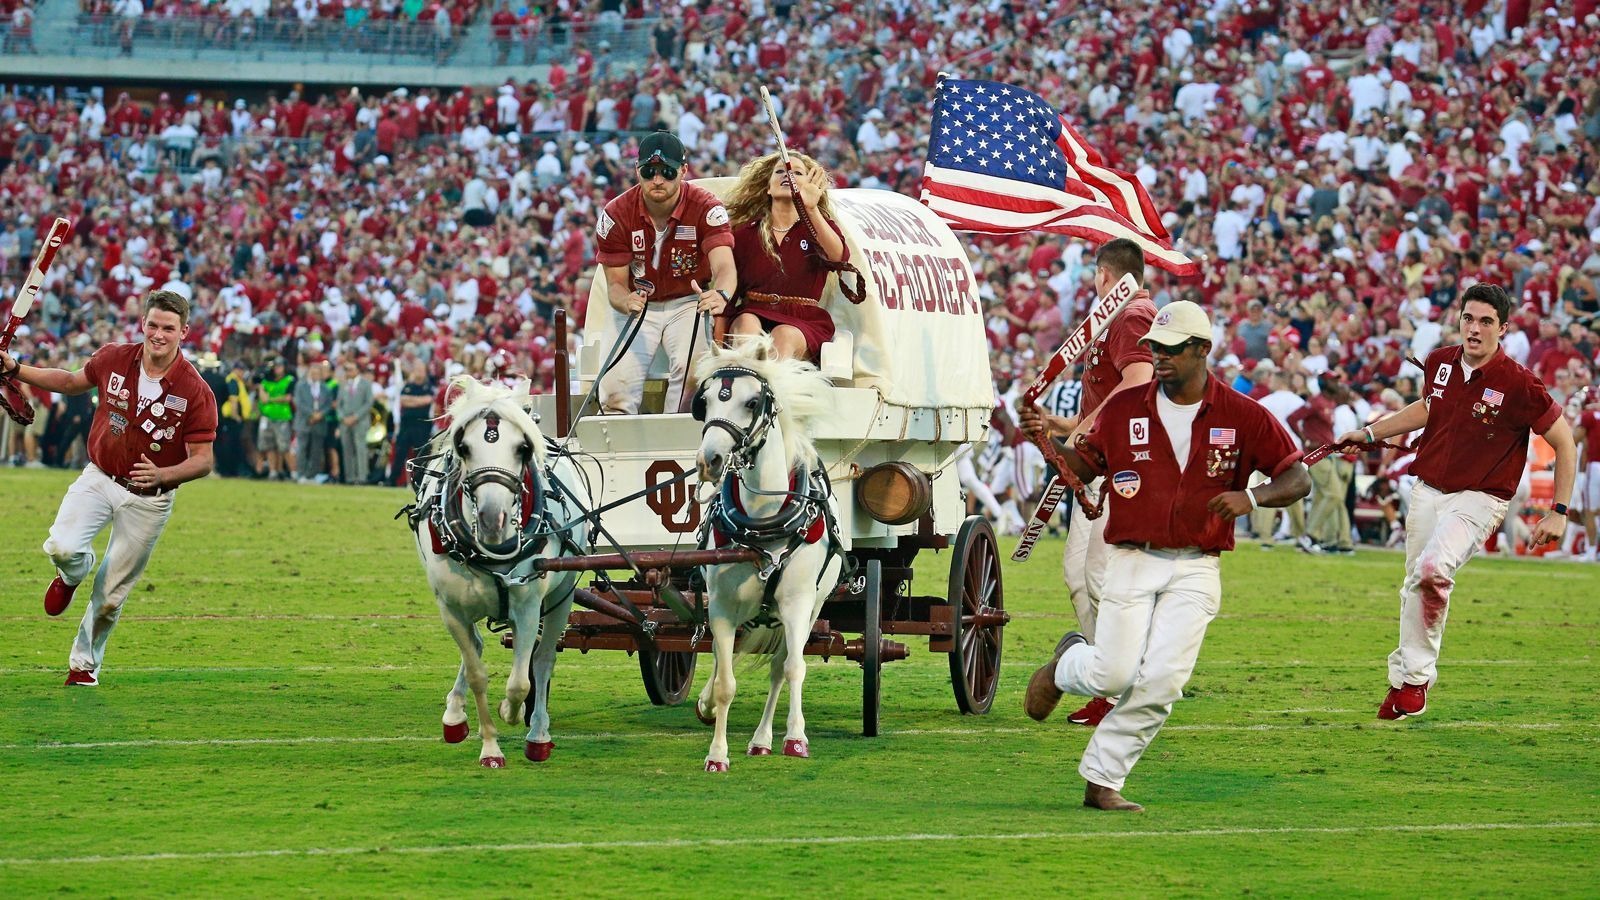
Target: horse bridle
{"x":524,"y":487}
{"x":747,"y":440}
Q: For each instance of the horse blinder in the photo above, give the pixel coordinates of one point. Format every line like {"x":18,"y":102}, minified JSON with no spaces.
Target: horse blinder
{"x":697,"y":406}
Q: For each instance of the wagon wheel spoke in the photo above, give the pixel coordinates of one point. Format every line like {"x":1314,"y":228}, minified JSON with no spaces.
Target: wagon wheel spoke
{"x":667,"y":675}
{"x":980,"y":665}
{"x":985,"y":668}
{"x":969,"y":649}
{"x":985,"y":571}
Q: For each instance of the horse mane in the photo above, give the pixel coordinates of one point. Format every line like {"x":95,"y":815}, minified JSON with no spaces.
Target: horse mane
{"x":513,"y":406}
{"x":800,"y":388}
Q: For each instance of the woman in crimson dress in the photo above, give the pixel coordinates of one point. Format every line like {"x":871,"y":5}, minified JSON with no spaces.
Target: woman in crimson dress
{"x":781,"y":275}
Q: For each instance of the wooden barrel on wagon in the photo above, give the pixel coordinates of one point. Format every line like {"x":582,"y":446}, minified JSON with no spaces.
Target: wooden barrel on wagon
{"x":894,"y":492}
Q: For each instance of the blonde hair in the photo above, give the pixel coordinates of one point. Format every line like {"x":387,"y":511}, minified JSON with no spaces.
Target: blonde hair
{"x":750,"y":202}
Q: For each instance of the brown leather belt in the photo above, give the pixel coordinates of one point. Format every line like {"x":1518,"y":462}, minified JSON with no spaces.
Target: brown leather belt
{"x":759,"y":297}
{"x":138,"y":491}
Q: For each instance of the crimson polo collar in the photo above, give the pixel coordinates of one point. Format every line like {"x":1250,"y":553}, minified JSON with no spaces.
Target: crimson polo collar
{"x":1494,"y":365}
{"x":677,"y":211}
{"x":1214,"y":389}
{"x":181,"y":371}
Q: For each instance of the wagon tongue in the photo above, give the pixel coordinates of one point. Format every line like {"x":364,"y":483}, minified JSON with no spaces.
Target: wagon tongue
{"x":680,"y":607}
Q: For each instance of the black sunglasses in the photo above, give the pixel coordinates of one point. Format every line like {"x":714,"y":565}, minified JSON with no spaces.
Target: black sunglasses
{"x":649,"y":172}
{"x":1164,"y":350}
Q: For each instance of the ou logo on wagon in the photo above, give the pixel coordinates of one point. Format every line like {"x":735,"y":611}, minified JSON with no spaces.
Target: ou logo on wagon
{"x":670,"y":500}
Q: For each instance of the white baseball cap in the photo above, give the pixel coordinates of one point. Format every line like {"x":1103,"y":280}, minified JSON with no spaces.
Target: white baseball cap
{"x":1178,"y":322}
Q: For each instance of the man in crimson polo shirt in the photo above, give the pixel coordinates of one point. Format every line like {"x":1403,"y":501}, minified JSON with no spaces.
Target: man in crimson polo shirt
{"x":1588,"y":416}
{"x":152,"y":431}
{"x":1117,"y":361}
{"x":1177,"y":456}
{"x":1477,"y":415}
{"x":667,"y":251}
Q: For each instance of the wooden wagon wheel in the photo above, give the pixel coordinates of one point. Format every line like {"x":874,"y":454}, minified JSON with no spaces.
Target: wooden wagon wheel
{"x":979,"y":619}
{"x":872,"y":647}
{"x":667,"y":676}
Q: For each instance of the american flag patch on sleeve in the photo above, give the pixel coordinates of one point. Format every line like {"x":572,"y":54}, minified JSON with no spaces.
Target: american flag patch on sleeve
{"x":1222,"y":437}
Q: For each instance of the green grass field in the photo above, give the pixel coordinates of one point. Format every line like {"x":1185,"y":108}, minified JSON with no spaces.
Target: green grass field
{"x":268,"y":723}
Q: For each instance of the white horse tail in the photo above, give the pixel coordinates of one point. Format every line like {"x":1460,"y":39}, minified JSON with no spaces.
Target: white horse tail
{"x":760,"y":641}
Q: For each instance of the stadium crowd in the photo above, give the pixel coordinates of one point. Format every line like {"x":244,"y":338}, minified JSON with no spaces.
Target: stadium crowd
{"x":1341,"y":170}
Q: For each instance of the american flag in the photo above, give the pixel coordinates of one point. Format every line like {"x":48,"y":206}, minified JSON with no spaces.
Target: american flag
{"x":1222,"y":437}
{"x":176,"y":403}
{"x":1001,"y":161}
{"x":1494,"y":397}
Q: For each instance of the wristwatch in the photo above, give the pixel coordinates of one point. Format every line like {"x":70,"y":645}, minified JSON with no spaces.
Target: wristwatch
{"x":1559,"y":509}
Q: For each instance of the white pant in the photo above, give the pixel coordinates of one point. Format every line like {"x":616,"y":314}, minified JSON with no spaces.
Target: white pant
{"x":1084,"y":562}
{"x":1151,"y":622}
{"x":667,"y":324}
{"x":974,"y":485}
{"x":1587,"y":489}
{"x":92,"y":502}
{"x":1442,"y":533}
{"x":1020,"y":467}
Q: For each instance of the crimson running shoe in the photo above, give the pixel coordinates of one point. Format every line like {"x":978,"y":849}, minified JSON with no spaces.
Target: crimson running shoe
{"x":58,"y":596}
{"x":1092,"y":712}
{"x":1387,"y":711}
{"x":1411,"y":700}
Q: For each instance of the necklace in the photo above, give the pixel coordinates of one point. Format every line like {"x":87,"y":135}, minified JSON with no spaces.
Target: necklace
{"x":777,"y":230}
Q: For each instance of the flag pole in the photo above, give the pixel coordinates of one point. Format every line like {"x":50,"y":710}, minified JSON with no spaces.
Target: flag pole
{"x":858,"y":293}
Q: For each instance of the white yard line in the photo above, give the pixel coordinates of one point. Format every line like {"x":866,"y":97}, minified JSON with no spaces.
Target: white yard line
{"x":700,"y":735}
{"x":1068,"y":616}
{"x":802,"y":841}
{"x":597,"y":662}
{"x":1033,"y":615}
{"x":263,"y":617}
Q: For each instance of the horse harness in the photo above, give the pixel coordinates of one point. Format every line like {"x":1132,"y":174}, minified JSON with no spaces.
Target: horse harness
{"x":805,"y":517}
{"x":511,"y":562}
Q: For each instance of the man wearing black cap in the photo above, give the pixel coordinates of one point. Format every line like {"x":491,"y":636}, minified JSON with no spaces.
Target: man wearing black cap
{"x":668,"y":254}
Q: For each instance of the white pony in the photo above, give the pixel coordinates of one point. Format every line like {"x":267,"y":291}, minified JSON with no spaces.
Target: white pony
{"x":774,"y":497}
{"x":488,"y":506}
